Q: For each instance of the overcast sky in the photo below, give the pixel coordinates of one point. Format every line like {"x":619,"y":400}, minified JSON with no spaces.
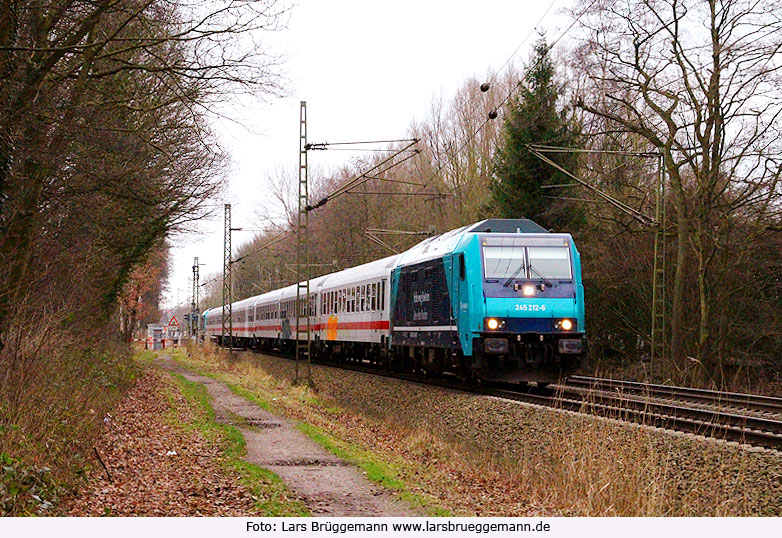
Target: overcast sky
{"x":367,"y":70}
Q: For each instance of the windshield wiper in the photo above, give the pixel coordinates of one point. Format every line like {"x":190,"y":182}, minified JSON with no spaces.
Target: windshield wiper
{"x":546,"y":281}
{"x":514,"y":275}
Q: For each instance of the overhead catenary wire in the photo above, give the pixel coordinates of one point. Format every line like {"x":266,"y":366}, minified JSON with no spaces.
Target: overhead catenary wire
{"x":323,"y":145}
{"x":523,"y":41}
{"x":366,"y":176}
{"x":638,"y":215}
{"x":493,"y":113}
{"x":264,"y":246}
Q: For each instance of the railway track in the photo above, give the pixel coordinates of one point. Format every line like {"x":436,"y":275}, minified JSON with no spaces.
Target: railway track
{"x":767,"y":405}
{"x":633,"y":402}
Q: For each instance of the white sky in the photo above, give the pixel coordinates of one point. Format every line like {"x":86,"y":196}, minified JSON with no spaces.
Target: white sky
{"x":367,"y":69}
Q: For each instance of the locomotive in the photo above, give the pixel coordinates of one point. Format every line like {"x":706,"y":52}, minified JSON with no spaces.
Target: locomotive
{"x":498,"y":300}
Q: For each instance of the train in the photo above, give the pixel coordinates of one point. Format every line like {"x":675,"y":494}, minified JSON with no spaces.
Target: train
{"x":500,"y":300}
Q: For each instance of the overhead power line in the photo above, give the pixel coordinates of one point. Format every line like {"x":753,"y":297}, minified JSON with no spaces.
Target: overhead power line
{"x":380,"y":168}
{"x":267,"y":244}
{"x":493,"y":113}
{"x":325,"y":145}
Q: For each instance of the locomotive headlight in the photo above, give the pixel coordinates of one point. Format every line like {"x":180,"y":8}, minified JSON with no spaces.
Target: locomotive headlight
{"x":528,"y":290}
{"x":566,"y":324}
{"x":493,"y":324}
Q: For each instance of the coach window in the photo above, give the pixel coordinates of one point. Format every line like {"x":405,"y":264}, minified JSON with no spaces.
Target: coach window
{"x":383,"y":295}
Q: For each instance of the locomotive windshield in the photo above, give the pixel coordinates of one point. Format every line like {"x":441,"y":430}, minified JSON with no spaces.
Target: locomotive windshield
{"x":514,"y":259}
{"x":504,"y":262}
{"x":550,"y":262}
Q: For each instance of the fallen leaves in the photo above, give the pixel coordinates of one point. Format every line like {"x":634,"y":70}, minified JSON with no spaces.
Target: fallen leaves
{"x":159,"y":467}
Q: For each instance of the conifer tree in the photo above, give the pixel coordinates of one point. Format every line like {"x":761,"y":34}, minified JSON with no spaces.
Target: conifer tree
{"x":533,"y":118}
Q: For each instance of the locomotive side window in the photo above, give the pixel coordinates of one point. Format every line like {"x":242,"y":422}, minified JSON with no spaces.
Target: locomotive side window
{"x":462,"y":267}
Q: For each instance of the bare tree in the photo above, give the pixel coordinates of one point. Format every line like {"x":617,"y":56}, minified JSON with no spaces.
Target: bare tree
{"x":699,"y":81}
{"x":102,"y":115}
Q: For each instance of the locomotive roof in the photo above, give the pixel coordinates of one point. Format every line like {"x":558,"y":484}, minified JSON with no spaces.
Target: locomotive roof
{"x":517,"y":226}
{"x":435,"y":247}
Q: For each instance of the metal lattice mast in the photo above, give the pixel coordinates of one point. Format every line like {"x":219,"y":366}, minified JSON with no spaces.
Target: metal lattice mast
{"x":303,"y":302}
{"x":658,"y":278}
{"x":194,"y":312}
{"x":227,"y":330}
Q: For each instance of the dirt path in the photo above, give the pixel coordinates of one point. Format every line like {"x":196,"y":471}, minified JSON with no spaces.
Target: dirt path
{"x":327,"y":484}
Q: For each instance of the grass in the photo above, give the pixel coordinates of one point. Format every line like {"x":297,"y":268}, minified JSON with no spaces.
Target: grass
{"x":273,"y":498}
{"x":505,"y":459}
{"x":303,"y":405}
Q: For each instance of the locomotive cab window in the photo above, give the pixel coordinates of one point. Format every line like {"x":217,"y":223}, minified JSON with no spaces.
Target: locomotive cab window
{"x":549,"y":262}
{"x":504,"y":262}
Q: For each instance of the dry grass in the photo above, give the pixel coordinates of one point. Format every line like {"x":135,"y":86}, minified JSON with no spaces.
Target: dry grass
{"x":489,"y":457}
{"x":53,"y":398}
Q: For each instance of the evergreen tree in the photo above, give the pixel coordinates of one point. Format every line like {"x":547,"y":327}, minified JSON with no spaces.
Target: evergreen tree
{"x":533,"y":118}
